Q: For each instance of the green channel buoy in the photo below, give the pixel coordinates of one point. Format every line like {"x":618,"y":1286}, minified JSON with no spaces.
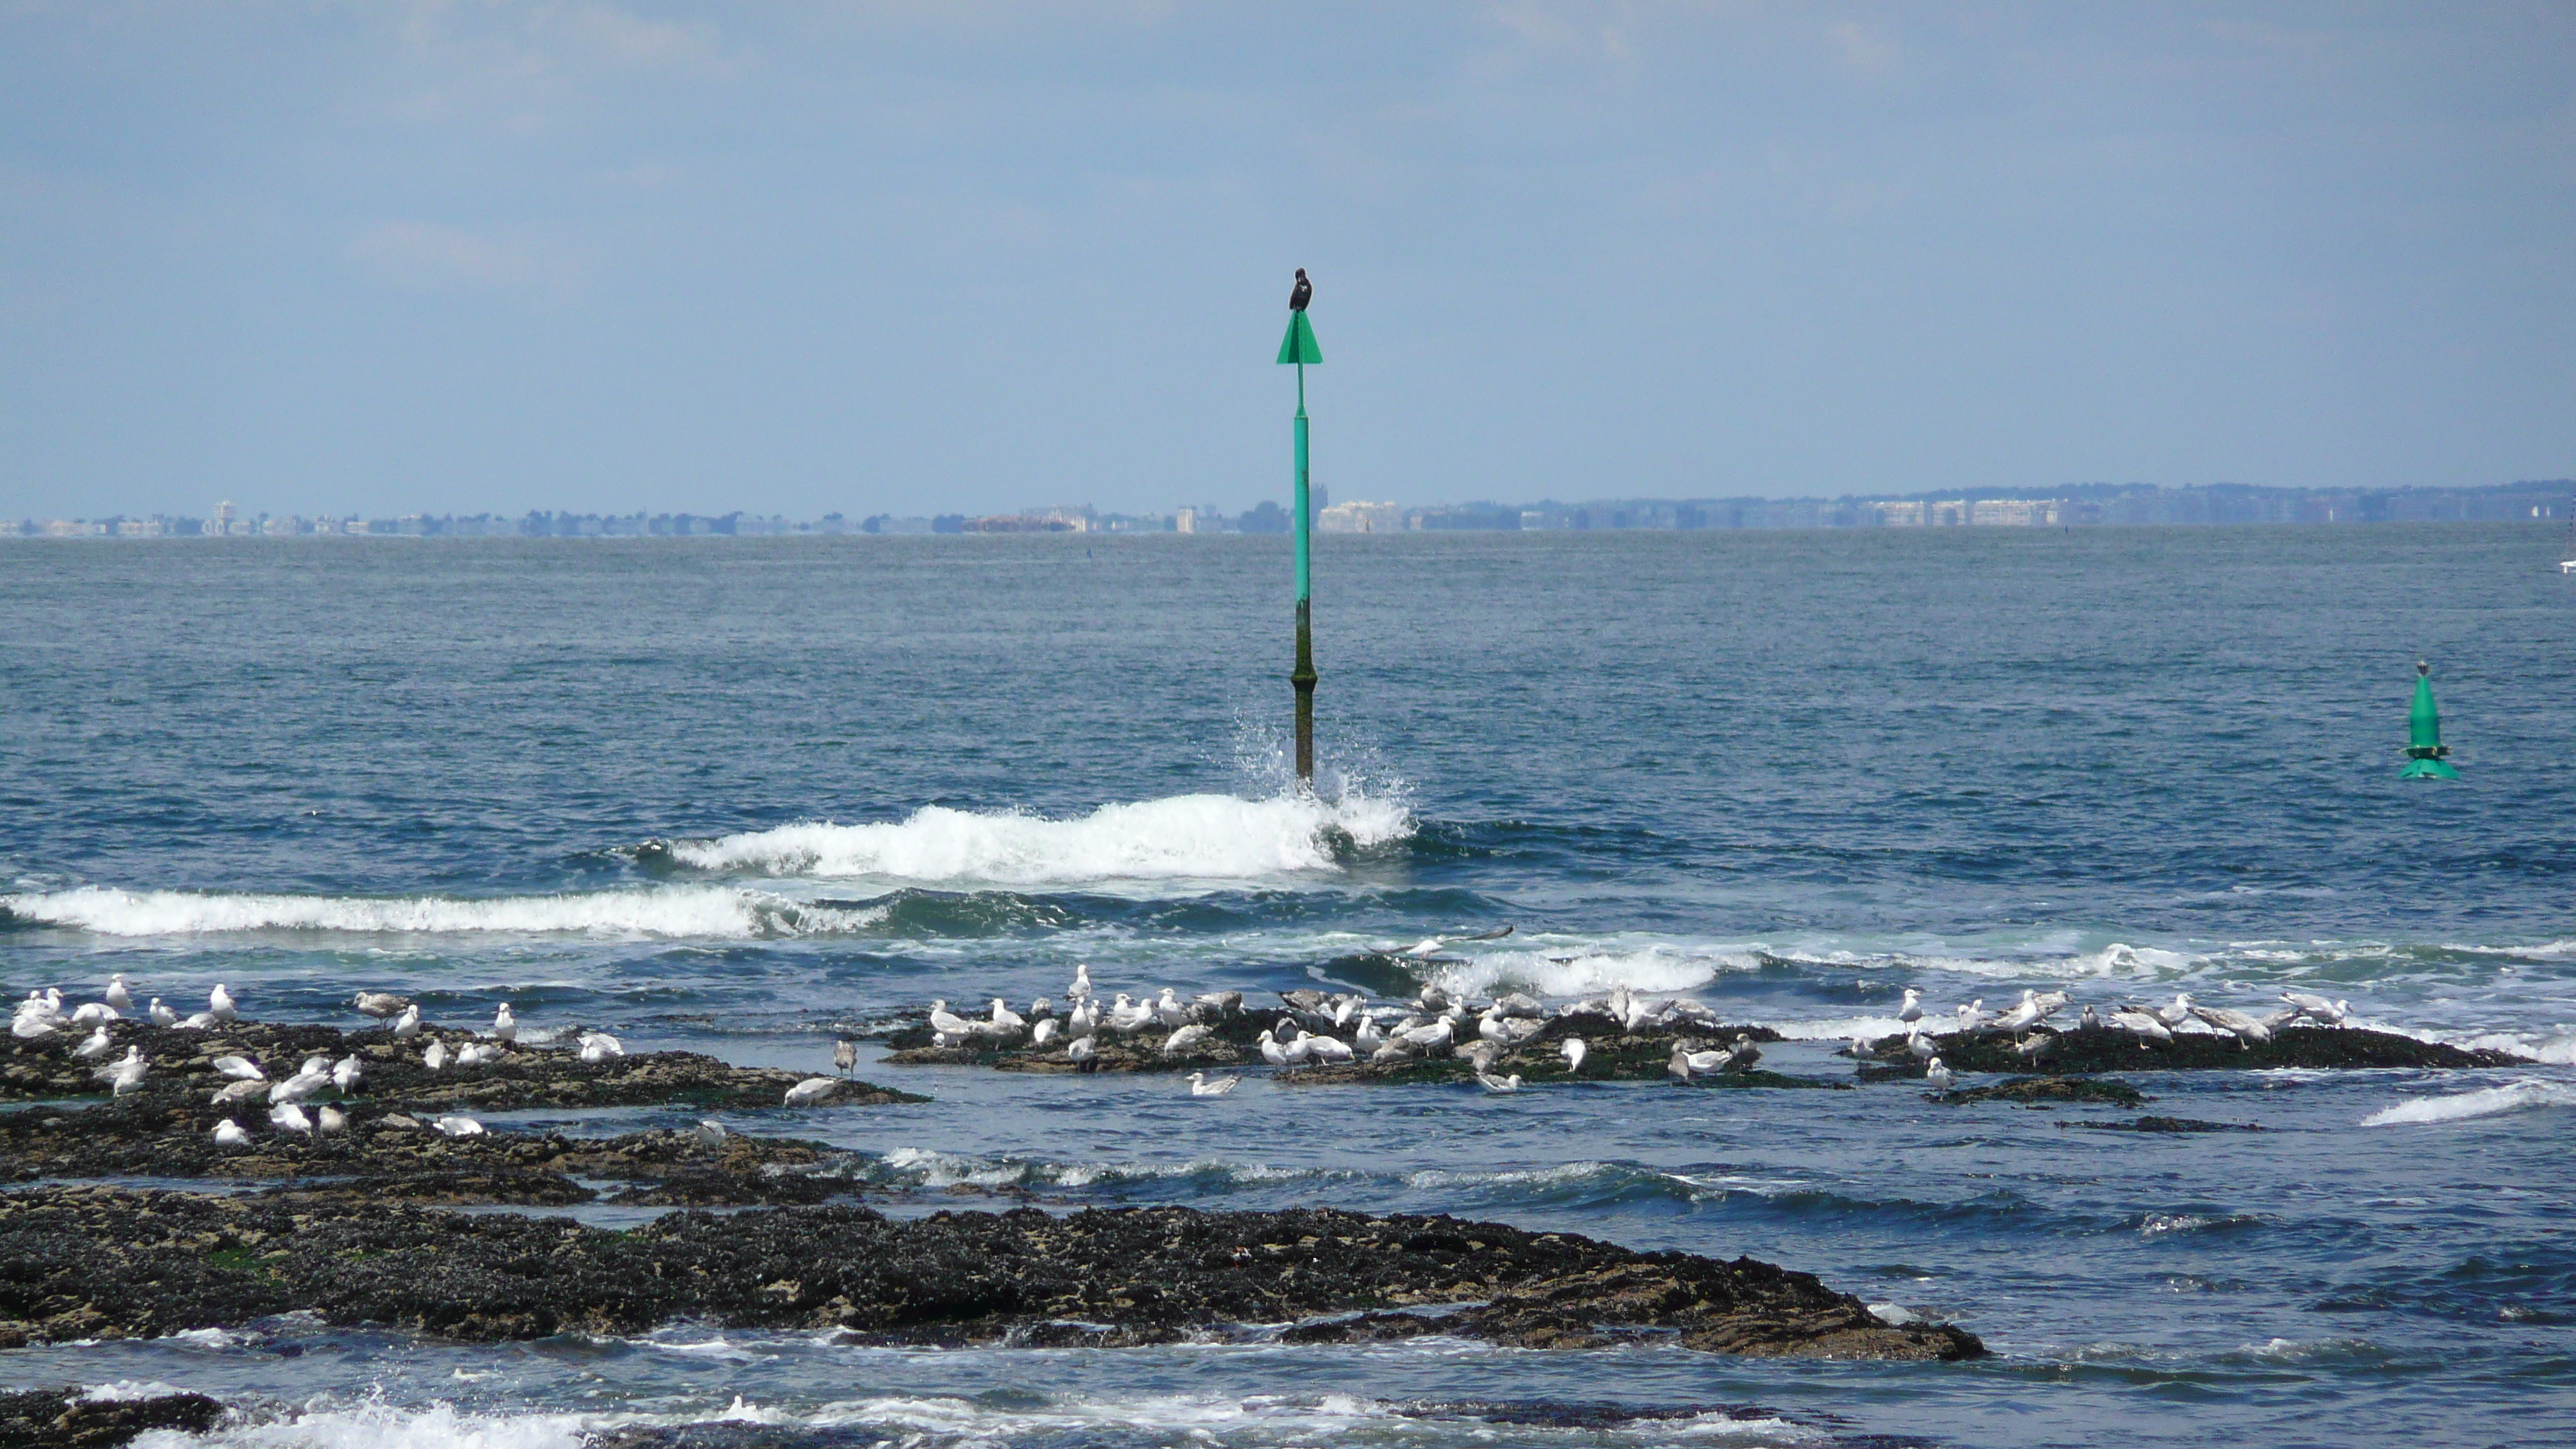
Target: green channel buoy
{"x":1299,"y":348}
{"x":2425,"y":752}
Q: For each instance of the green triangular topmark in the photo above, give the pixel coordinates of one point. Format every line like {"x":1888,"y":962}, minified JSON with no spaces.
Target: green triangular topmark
{"x":1299,"y":344}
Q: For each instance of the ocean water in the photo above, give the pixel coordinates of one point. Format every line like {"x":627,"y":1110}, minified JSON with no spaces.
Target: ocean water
{"x":741,"y":796}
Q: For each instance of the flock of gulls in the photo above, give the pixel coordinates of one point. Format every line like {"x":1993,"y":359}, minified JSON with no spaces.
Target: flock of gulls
{"x":2033,"y":1036}
{"x":1321,"y":1029}
{"x":42,"y":1015}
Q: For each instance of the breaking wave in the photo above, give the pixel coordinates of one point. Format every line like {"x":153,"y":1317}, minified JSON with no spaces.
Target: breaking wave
{"x":667,"y":911}
{"x":1183,"y":837}
{"x":2485,"y":1102}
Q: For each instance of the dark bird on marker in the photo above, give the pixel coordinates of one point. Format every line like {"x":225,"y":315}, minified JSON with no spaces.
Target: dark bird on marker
{"x":1302,"y":293}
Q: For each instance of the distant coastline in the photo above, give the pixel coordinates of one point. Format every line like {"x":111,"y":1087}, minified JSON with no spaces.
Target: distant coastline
{"x":2085,"y":505}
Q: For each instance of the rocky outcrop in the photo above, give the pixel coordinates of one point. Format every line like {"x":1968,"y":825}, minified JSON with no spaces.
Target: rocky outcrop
{"x":2102,"y":1049}
{"x":70,"y":1419}
{"x":98,"y":1262}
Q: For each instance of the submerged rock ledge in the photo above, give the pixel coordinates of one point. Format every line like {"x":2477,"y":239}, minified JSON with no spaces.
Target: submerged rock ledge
{"x":97,"y":1262}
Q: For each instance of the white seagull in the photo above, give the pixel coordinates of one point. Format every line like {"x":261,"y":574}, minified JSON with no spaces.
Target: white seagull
{"x":239,"y":1069}
{"x":163,"y":1016}
{"x":1492,"y":1083}
{"x":1082,"y":1049}
{"x":228,"y":1133}
{"x":117,"y":994}
{"x":1324,"y":1048}
{"x":1938,"y":1076}
{"x":287,"y":1117}
{"x":812,"y":1090}
{"x":1200,"y":1086}
{"x":435,"y":1056}
{"x":453,"y":1125}
{"x":220,"y":1004}
{"x":2317,"y":1008}
{"x":599,"y":1046}
{"x":505,"y":1027}
{"x":96,"y":1046}
{"x":1574,"y":1050}
{"x":330,"y":1122}
{"x":711,"y":1133}
{"x":1912,"y":1010}
{"x":1081,"y":986}
{"x":345,"y":1075}
{"x":408,"y":1024}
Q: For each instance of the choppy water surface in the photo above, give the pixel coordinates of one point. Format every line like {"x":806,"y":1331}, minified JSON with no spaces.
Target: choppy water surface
{"x":742,"y":795}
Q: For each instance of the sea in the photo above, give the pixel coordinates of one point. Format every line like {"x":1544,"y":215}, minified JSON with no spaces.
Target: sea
{"x":743,"y":796}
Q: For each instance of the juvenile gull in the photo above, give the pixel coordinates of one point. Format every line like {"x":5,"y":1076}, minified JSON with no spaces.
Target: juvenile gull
{"x":1492,"y":1083}
{"x":379,"y":1004}
{"x":1202,"y":1086}
{"x":845,"y":1052}
{"x":239,"y":1091}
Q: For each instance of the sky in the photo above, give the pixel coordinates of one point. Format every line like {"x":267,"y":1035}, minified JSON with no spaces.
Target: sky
{"x":928,"y":256}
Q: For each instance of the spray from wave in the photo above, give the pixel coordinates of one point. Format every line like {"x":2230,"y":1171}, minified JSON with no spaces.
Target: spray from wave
{"x":683,"y":912}
{"x":1183,"y":837}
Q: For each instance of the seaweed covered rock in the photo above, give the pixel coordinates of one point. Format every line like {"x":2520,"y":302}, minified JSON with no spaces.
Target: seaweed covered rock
{"x":102,"y":1263}
{"x":70,"y":1418}
{"x":2053,"y":1089}
{"x":2104,"y":1049}
{"x":182,"y":1069}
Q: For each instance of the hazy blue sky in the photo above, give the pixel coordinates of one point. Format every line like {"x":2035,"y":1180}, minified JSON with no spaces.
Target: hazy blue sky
{"x":947,"y":256}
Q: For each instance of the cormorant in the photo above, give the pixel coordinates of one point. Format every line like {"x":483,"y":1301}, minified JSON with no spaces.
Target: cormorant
{"x":1303,"y":293}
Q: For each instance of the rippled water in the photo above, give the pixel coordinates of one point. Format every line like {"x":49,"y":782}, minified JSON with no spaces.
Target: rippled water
{"x":742,"y":795}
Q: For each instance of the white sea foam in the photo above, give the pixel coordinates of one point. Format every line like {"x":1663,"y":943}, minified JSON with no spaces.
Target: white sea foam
{"x":1184,"y":837}
{"x":663,"y":911}
{"x":384,"y":1426}
{"x":2485,"y":1102}
{"x":1560,"y":970}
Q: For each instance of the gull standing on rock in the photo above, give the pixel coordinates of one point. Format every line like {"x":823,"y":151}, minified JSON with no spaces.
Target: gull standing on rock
{"x":711,"y":1133}
{"x":1912,"y":1010}
{"x":96,"y":1046}
{"x":1574,"y":1050}
{"x":453,"y":1125}
{"x":408,"y":1024}
{"x":2178,"y":1013}
{"x":845,"y":1052}
{"x":1938,"y":1076}
{"x":378,"y":1004}
{"x":345,"y":1075}
{"x":2317,"y":1008}
{"x":435,"y":1056}
{"x":220,"y":1004}
{"x":162,"y":1016}
{"x":238,"y":1068}
{"x":812,"y":1090}
{"x":1200,"y":1086}
{"x":330,"y":1122}
{"x":505,"y":1027}
{"x":229,"y":1133}
{"x":1082,"y":1050}
{"x":117,"y":994}
{"x":599,"y":1046}
{"x":287,"y":1117}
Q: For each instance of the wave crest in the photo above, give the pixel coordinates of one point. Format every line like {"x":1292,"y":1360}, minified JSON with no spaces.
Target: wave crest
{"x":2485,"y":1102}
{"x":668,"y":911}
{"x":1182,"y":837}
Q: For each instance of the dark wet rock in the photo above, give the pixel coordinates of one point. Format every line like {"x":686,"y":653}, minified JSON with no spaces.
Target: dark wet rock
{"x":68,"y":1419}
{"x":394,"y":1156}
{"x":1611,"y":1054}
{"x":524,"y":1077}
{"x":2164,"y":1124}
{"x":95,"y":1262}
{"x":2053,"y":1089}
{"x":2105,"y":1050}
{"x":1563,"y":1414}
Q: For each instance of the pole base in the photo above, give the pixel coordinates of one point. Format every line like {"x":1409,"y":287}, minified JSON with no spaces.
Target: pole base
{"x":2427,"y":770}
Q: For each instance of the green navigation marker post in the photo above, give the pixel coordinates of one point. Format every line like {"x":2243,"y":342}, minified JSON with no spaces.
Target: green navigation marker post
{"x":2424,"y":748}
{"x":1299,"y":347}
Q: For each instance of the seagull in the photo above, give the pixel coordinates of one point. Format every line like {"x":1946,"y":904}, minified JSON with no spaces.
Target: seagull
{"x":1573,"y":1050}
{"x":2144,"y":1024}
{"x":2020,"y":1017}
{"x":1082,"y":1050}
{"x":1432,"y":1040}
{"x":1324,"y":1048}
{"x":117,"y":995}
{"x":95,"y":1014}
{"x":711,"y":1133}
{"x":94,"y":1047}
{"x":1920,"y":1045}
{"x":2244,"y":1028}
{"x":129,"y":1074}
{"x":298,"y":1087}
{"x":1200,"y":1086}
{"x":162,"y":1015}
{"x":504,"y":1025}
{"x":379,"y":1004}
{"x":240,"y":1069}
{"x":1972,"y":1015}
{"x":812,"y":1090}
{"x":1912,"y":1010}
{"x":599,"y":1046}
{"x":1492,"y":1083}
{"x":1169,"y":1011}
{"x":1939,"y":1076}
{"x":1039,"y":1035}
{"x":287,"y":1117}
{"x":345,"y":1075}
{"x":220,"y":1005}
{"x":1302,"y":293}
{"x":408,"y":1024}
{"x":1271,"y":1051}
{"x":1366,"y":1037}
{"x":2178,"y":1013}
{"x":1186,"y":1039}
{"x":2088,"y":1021}
{"x":845,"y":1052}
{"x":330,"y":1122}
{"x":1005,"y":1019}
{"x":475,"y":1054}
{"x":436,"y":1056}
{"x":2035,"y":1045}
{"x":29,"y":1028}
{"x":228,"y":1133}
{"x":949,"y":1023}
{"x":452,"y":1125}
{"x":239,"y":1091}
{"x":197,"y":1021}
{"x":1745,"y":1054}
{"x":2317,"y":1008}
{"x":1081,"y":986}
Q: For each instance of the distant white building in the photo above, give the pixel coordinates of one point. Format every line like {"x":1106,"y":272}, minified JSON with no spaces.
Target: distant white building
{"x":1901,"y":514}
{"x":1359,"y":517}
{"x":2018,"y":512}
